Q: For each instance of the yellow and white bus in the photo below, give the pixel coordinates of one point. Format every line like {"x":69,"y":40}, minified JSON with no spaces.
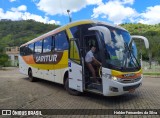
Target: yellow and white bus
{"x":58,"y":56}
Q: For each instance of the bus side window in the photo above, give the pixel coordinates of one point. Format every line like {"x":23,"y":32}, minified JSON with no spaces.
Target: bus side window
{"x":61,"y":41}
{"x":31,"y":49}
{"x":25,"y":50}
{"x":38,"y":47}
{"x":22,"y":51}
{"x":47,"y":44}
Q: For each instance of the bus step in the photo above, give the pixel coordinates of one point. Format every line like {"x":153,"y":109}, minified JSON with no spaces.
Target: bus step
{"x":94,"y":91}
{"x":95,"y":86}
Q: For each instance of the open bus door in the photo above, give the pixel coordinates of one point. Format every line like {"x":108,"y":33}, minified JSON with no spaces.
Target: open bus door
{"x":75,"y":67}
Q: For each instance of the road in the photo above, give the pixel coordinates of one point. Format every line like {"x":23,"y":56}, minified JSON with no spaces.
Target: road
{"x":16,"y":92}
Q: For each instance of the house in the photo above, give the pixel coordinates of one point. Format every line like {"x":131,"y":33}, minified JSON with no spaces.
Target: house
{"x":13,"y":53}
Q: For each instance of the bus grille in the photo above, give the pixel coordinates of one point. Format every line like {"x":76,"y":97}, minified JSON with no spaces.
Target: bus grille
{"x":129,"y":80}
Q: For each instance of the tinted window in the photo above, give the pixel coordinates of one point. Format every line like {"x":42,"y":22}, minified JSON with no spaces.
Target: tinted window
{"x":31,"y":48}
{"x":22,"y":51}
{"x":47,"y":44}
{"x":61,"y":41}
{"x":75,"y":31}
{"x":38,"y":47}
{"x":80,"y":31}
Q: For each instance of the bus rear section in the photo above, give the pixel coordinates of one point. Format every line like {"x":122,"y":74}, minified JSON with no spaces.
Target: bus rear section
{"x":45,"y":57}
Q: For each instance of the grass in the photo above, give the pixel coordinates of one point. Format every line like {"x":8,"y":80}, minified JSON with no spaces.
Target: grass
{"x":151,"y":73}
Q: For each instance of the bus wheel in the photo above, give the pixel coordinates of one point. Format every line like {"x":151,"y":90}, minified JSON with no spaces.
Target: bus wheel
{"x":30,"y":76}
{"x":70,"y":91}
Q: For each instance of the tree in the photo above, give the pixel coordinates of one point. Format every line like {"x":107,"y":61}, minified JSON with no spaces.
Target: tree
{"x":3,"y":59}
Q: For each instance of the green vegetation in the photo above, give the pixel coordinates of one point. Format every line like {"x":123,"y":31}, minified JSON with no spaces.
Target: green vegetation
{"x":15,"y":33}
{"x":152,"y":33}
{"x":3,"y":59}
{"x":157,"y":74}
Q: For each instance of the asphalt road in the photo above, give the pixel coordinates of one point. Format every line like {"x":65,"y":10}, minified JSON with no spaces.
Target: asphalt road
{"x":16,"y":92}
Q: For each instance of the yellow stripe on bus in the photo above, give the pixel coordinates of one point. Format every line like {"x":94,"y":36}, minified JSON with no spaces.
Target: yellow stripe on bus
{"x":120,"y":74}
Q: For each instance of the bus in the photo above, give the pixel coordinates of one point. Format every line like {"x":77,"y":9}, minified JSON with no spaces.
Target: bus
{"x":59,"y":56}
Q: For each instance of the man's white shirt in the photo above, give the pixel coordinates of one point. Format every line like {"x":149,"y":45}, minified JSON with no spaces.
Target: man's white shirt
{"x":89,"y":57}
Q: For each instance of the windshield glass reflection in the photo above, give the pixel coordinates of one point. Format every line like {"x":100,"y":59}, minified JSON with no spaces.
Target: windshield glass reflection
{"x":118,"y":53}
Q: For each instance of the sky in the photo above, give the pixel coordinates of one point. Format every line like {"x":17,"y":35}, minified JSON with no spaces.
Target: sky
{"x":55,"y":11}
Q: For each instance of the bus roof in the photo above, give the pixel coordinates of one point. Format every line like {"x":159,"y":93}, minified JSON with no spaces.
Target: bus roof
{"x":72,"y":24}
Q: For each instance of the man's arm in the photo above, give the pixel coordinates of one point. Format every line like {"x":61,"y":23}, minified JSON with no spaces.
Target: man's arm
{"x":96,"y":61}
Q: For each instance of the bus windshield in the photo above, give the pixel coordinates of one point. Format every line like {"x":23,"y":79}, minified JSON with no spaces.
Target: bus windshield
{"x":118,"y":53}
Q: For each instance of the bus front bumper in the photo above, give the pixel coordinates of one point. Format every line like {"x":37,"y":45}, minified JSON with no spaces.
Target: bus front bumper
{"x":115,"y":88}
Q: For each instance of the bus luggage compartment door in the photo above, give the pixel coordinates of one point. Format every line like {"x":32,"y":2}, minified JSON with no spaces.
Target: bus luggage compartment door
{"x":75,"y":76}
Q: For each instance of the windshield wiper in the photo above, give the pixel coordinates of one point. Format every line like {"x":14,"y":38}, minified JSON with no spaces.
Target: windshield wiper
{"x":130,"y":54}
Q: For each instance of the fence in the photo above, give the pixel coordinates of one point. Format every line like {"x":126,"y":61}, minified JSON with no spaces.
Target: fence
{"x":151,"y":68}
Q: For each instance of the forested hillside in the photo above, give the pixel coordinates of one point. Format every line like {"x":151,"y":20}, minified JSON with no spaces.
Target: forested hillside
{"x":152,"y":33}
{"x":15,"y":33}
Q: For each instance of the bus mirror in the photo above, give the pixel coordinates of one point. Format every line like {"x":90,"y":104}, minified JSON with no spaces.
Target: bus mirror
{"x":146,"y":43}
{"x":105,"y":31}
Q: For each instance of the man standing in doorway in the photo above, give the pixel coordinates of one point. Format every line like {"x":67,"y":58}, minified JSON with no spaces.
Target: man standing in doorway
{"x":91,"y":61}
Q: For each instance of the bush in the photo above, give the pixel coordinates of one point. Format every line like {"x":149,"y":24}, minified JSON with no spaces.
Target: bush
{"x":7,"y":64}
{"x":158,"y":59}
{"x":3,"y":59}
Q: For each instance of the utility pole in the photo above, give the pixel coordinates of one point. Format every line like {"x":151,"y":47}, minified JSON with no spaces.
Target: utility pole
{"x":68,"y":11}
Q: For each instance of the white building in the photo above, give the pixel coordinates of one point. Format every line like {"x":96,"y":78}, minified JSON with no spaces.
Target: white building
{"x":13,"y":53}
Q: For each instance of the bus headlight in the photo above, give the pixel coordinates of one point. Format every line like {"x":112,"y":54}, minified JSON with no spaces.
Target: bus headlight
{"x":114,"y":78}
{"x":108,"y":76}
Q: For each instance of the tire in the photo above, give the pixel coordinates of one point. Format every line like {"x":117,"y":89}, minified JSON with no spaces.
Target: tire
{"x":30,"y":76}
{"x":69,"y":90}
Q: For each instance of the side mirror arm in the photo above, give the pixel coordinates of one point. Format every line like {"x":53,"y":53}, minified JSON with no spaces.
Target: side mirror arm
{"x":146,"y":43}
{"x":105,"y":31}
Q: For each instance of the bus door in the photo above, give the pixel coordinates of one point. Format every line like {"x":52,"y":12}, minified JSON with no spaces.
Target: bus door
{"x":75,"y":67}
{"x":90,"y":40}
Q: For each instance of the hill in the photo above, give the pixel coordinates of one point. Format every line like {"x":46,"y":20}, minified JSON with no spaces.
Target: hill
{"x":15,"y":33}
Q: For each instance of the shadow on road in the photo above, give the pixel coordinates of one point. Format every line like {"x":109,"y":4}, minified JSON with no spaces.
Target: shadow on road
{"x":100,"y":99}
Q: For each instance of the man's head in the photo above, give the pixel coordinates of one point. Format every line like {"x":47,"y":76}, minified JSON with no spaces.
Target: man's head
{"x":93,"y":48}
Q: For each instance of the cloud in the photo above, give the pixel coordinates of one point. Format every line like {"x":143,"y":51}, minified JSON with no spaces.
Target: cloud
{"x":13,"y":15}
{"x":116,"y":11}
{"x":38,"y":18}
{"x":94,"y":2}
{"x":20,"y":8}
{"x":54,"y":7}
{"x":12,"y":0}
{"x":19,"y":13}
{"x":128,"y":2}
{"x":151,"y":15}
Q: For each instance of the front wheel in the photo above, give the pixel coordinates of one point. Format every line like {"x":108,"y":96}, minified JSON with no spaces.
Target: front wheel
{"x":30,"y":76}
{"x":70,"y":91}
